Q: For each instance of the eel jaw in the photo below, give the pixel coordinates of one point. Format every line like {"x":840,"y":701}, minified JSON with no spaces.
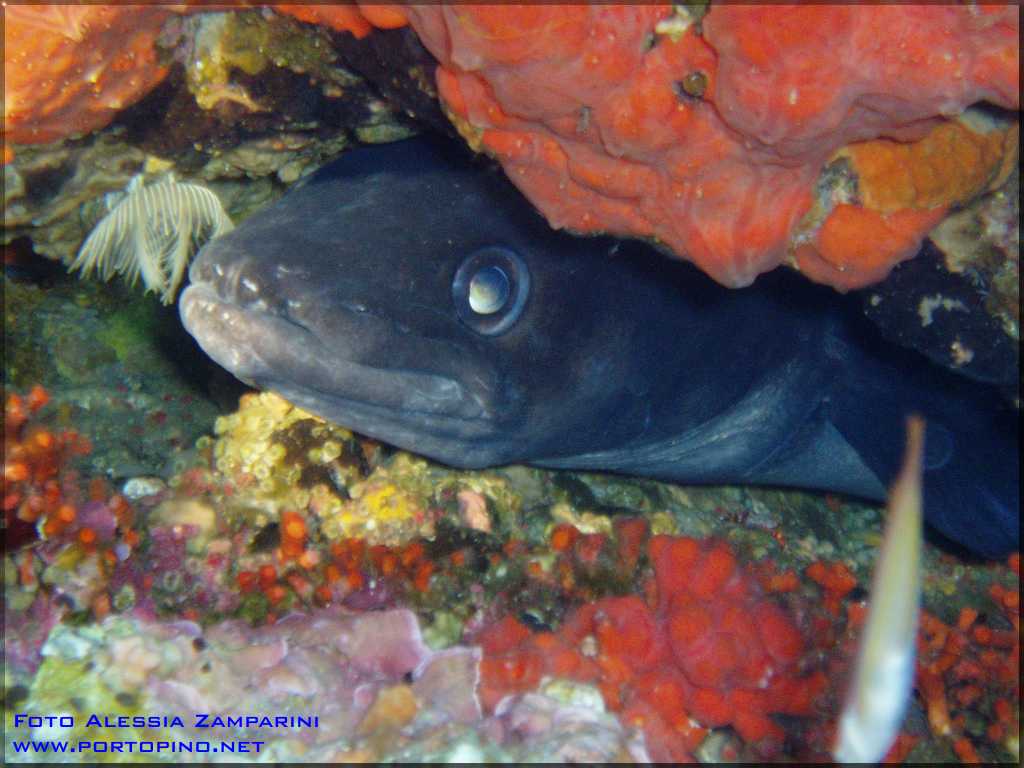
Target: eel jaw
{"x":429,"y":413}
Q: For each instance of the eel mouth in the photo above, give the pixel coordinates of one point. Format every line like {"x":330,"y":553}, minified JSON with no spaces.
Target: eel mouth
{"x":339,"y":371}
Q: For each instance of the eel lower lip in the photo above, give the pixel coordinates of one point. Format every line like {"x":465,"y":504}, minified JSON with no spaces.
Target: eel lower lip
{"x":259,"y":346}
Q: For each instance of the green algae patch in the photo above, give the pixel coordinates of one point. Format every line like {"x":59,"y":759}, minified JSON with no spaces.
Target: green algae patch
{"x":130,"y":331}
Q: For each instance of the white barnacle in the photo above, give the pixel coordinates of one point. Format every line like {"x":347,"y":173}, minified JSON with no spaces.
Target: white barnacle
{"x":153,"y":232}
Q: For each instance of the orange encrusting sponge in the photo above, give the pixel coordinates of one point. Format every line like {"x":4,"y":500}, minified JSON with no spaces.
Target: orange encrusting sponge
{"x":710,"y":138}
{"x":68,"y":69}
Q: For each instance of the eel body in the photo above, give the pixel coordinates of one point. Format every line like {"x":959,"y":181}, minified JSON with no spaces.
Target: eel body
{"x":413,"y":295}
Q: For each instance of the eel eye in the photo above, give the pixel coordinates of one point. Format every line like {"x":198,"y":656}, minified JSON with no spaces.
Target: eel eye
{"x":490,"y":289}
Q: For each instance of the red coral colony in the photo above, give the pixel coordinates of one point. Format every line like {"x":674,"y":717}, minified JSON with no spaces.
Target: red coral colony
{"x":43,"y":497}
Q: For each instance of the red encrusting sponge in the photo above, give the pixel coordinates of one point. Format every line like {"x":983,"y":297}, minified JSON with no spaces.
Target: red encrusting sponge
{"x":707,"y":648}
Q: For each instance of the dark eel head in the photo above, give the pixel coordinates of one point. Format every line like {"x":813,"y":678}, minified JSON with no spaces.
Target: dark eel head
{"x":414,"y":296}
{"x":417,"y":298}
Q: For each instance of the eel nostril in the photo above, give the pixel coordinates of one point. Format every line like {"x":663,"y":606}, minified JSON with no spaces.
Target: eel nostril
{"x":246,"y":282}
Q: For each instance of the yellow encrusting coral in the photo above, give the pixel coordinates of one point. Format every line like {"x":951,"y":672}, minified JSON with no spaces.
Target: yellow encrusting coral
{"x":273,"y":450}
{"x":382,"y":509}
{"x":278,"y":456}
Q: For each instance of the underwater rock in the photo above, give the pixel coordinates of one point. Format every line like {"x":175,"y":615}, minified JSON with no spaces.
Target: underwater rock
{"x":668,"y":115}
{"x":56,"y":193}
{"x":400,"y":68}
{"x":944,"y":315}
{"x":270,"y":91}
{"x":276,"y":455}
{"x":875,"y":199}
{"x":117,"y":365}
{"x":705,"y":648}
{"x":246,"y":60}
{"x":334,"y":677}
{"x":45,"y":187}
{"x":982,"y":241}
{"x":26,"y":631}
{"x":567,"y":722}
{"x":958,"y":302}
{"x":193,"y":556}
{"x":165,"y":669}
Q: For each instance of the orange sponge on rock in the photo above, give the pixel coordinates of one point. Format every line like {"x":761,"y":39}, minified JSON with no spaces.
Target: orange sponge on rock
{"x":709,"y":136}
{"x":68,"y":69}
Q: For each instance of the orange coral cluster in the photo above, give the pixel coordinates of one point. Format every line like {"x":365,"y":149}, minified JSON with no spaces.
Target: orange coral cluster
{"x":33,"y":458}
{"x":353,"y":564}
{"x":68,"y":69}
{"x":973,"y":665}
{"x":704,"y":648}
{"x":358,"y":18}
{"x":40,"y":489}
{"x":836,"y":581}
{"x":904,"y":189}
{"x":293,"y":535}
{"x":948,"y":165}
{"x":857,"y":246}
{"x":969,"y":669}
